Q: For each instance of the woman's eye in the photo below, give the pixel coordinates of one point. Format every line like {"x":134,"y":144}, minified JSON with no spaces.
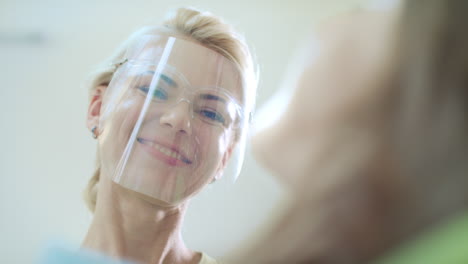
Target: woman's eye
{"x":213,"y":116}
{"x":158,"y":93}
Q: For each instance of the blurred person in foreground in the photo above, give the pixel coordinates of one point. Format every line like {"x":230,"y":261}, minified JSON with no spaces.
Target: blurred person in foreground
{"x":373,"y":144}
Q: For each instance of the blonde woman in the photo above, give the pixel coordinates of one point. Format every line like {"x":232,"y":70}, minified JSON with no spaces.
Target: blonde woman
{"x":376,"y":155}
{"x":169,"y":111}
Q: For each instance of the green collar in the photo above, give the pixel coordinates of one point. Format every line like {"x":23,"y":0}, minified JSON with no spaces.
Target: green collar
{"x":446,"y":244}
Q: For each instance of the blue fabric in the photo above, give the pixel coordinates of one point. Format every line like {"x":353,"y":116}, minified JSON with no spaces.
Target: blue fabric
{"x":60,"y":253}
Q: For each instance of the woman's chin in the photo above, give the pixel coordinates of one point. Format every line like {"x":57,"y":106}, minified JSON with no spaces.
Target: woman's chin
{"x":153,"y":200}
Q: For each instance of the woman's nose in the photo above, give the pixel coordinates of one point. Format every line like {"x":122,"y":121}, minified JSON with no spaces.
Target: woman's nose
{"x":178,"y":117}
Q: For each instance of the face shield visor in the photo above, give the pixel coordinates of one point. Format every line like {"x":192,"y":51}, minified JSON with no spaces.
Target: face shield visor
{"x":172,"y":119}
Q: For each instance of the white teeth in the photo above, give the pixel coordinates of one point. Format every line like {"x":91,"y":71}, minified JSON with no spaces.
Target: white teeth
{"x":167,"y":151}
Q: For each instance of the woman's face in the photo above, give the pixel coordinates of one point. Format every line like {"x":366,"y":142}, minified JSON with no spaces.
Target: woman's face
{"x":167,"y":135}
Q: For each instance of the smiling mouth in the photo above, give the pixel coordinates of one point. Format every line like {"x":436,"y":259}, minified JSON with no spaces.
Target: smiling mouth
{"x":164,"y":150}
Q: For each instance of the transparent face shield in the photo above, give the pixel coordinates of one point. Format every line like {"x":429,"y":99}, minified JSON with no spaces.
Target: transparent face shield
{"x":172,"y":119}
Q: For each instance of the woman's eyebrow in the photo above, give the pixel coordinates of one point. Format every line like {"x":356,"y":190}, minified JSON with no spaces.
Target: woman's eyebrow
{"x":212,"y":97}
{"x":164,"y":77}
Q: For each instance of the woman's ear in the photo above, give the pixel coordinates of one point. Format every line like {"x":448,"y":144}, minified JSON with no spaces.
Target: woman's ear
{"x":94,"y":108}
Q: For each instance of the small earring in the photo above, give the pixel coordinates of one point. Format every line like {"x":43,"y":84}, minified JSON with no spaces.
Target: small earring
{"x":94,"y":132}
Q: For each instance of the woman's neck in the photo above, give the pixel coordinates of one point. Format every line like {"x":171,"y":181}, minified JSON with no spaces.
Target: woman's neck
{"x":126,"y":226}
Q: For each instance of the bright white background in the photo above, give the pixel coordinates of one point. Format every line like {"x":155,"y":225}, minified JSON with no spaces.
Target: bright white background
{"x":47,"y":155}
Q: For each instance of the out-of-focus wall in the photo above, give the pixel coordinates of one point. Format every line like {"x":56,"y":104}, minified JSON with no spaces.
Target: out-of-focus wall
{"x":46,"y":50}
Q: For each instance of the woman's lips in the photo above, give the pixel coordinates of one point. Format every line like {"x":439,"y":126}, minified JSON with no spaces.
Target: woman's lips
{"x":169,"y":155}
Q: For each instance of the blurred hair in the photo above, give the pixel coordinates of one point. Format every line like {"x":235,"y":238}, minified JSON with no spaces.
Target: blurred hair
{"x":205,"y":28}
{"x":429,"y":111}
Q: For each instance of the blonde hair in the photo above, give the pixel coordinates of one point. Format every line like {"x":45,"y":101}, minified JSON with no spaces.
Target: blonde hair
{"x":208,"y":30}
